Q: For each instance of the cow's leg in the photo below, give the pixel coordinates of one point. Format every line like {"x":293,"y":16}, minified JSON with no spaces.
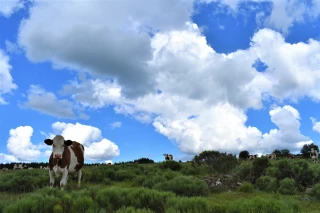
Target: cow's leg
{"x":64,"y":178}
{"x":79,"y":177}
{"x":51,"y":174}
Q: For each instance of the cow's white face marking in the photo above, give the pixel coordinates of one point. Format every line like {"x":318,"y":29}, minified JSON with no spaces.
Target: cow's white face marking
{"x":58,"y":147}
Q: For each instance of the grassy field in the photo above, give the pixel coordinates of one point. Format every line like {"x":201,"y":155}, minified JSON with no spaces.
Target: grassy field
{"x":166,"y":187}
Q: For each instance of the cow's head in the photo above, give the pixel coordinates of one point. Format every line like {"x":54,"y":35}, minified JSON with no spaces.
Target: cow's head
{"x":58,"y":143}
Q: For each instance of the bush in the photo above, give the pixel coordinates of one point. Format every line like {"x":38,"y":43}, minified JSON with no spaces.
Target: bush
{"x":195,"y":204}
{"x":173,"y":165}
{"x":267,"y":183}
{"x":143,"y":161}
{"x":246,"y":188}
{"x":82,"y":204}
{"x":259,"y":167}
{"x":316,"y":191}
{"x":150,"y":182}
{"x":132,"y":210}
{"x":287,"y":187}
{"x":219,"y":162}
{"x":185,"y":186}
{"x":243,"y":170}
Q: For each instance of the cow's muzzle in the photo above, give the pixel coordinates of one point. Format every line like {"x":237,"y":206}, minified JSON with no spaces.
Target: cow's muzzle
{"x":57,"y":156}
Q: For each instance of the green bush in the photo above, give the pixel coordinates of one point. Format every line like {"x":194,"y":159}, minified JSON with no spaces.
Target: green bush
{"x":287,"y":187}
{"x":195,"y":204}
{"x":316,"y":191}
{"x":243,"y":170}
{"x":267,"y":183}
{"x":122,"y":175}
{"x":173,"y":165}
{"x":150,"y":182}
{"x":132,"y":210}
{"x":218,"y":162}
{"x":246,"y":187}
{"x":82,"y":205}
{"x":185,"y":186}
{"x":259,"y":166}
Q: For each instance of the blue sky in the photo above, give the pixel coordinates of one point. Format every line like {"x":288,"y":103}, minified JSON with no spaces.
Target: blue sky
{"x":175,"y":77}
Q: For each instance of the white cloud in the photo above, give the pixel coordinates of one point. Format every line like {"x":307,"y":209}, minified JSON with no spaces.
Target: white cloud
{"x":93,"y":93}
{"x":283,"y":14}
{"x":116,"y":124}
{"x":48,"y":103}
{"x":105,"y":149}
{"x":84,"y":134}
{"x":8,"y":7}
{"x":12,"y":47}
{"x":96,"y":147}
{"x":4,"y":158}
{"x":116,"y":45}
{"x":6,"y":81}
{"x":20,"y":146}
{"x":315,"y":125}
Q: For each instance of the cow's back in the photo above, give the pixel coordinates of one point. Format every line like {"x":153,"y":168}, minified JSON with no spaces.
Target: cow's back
{"x":77,"y":156}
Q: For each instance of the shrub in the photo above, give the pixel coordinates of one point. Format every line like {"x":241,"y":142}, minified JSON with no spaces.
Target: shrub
{"x":267,"y":183}
{"x":243,"y":170}
{"x":316,"y":191}
{"x":195,"y":204}
{"x":143,"y":161}
{"x":287,"y":187}
{"x":153,"y":180}
{"x":82,"y":204}
{"x":185,"y":186}
{"x":173,"y":165}
{"x":259,"y":167}
{"x":132,"y":210}
{"x":246,"y":187}
{"x":124,"y":175}
{"x":219,"y":162}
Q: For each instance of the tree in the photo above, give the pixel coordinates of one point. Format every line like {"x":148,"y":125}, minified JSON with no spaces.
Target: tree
{"x":277,"y":152}
{"x":306,"y":149}
{"x":220,"y":162}
{"x":285,"y":152}
{"x":243,"y":155}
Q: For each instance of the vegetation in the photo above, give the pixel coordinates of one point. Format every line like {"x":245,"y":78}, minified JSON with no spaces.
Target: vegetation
{"x":258,"y":185}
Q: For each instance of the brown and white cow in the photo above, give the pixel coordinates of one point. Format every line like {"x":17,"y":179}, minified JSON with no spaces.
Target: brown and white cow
{"x":290,"y":156}
{"x":168,"y":157}
{"x":67,"y":157}
{"x":272,"y":156}
{"x":252,"y":157}
{"x":314,"y":155}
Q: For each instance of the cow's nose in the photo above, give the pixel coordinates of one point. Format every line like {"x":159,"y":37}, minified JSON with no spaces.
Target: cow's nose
{"x":57,"y":156}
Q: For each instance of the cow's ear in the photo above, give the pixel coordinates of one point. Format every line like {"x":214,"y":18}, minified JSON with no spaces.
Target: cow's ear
{"x":68,"y":142}
{"x":48,"y":142}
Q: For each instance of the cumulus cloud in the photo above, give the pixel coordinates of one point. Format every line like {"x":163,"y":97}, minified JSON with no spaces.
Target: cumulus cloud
{"x":96,"y":147}
{"x":315,"y":124}
{"x":4,"y":158}
{"x":48,"y":103}
{"x":283,"y":13}
{"x":8,"y":7}
{"x":117,"y":45}
{"x":6,"y":81}
{"x":20,"y":146}
{"x":93,"y":93}
{"x":12,"y":47}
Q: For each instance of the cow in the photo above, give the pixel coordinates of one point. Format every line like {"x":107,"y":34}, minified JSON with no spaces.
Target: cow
{"x":168,"y":157}
{"x":314,"y":155}
{"x":252,"y":157}
{"x":290,"y":156}
{"x":67,"y":157}
{"x":17,"y":166}
{"x":271,"y":156}
{"x":5,"y":169}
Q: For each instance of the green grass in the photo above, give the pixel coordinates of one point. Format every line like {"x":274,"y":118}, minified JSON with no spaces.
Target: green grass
{"x":144,"y":188}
